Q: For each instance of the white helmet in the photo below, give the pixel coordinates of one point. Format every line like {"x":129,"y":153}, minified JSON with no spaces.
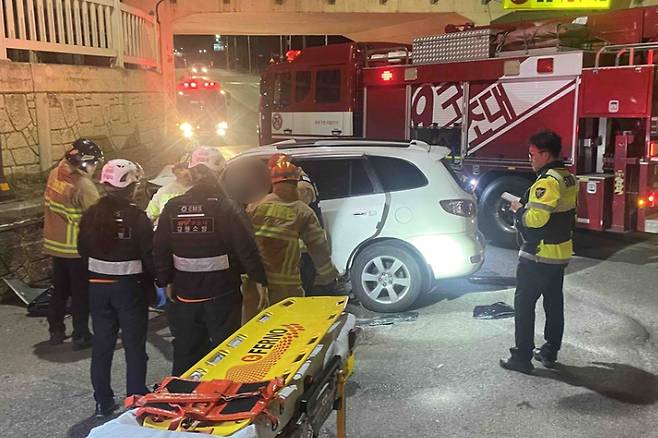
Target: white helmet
{"x":121,"y":173}
{"x":209,"y":157}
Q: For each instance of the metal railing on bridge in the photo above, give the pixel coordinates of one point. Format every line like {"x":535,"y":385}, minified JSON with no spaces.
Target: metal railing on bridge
{"x":106,"y":28}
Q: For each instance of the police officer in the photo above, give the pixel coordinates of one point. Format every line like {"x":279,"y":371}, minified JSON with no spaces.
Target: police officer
{"x":202,"y":244}
{"x":116,"y":237}
{"x":545,"y":219}
{"x":69,"y":192}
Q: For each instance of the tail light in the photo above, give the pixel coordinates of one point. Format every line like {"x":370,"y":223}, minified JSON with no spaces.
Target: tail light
{"x":459,"y":207}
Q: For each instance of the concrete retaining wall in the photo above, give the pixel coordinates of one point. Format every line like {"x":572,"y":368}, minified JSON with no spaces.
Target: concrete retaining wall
{"x":44,"y":107}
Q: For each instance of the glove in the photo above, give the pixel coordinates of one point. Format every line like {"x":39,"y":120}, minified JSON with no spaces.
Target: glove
{"x":161,"y":297}
{"x":263,"y":297}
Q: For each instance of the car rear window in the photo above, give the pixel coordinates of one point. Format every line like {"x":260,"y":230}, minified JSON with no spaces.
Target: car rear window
{"x":395,"y":174}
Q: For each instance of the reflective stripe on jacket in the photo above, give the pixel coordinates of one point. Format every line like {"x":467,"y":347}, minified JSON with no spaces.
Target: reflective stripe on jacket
{"x":280,"y":221}
{"x":547,"y":220}
{"x":69,"y":192}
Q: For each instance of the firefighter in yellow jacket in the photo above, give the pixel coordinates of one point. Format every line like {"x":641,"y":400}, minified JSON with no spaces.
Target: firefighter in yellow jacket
{"x":545,"y":219}
{"x":69,"y":192}
{"x":281,"y":223}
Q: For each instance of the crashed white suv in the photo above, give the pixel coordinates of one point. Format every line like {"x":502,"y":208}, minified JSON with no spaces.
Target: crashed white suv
{"x":395,"y":214}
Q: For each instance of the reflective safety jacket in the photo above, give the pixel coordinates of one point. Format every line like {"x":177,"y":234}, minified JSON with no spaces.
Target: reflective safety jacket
{"x":280,"y":221}
{"x":548,"y":217}
{"x":161,"y":197}
{"x":203,"y":243}
{"x":69,"y":192}
{"x":131,"y":252}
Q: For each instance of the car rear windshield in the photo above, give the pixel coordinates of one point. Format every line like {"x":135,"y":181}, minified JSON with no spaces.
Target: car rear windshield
{"x":395,"y":174}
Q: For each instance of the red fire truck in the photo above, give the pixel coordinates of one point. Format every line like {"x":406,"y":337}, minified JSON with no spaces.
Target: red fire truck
{"x":483,"y":92}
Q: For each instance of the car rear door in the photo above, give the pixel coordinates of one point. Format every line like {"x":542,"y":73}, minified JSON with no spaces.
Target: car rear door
{"x":352,"y":203}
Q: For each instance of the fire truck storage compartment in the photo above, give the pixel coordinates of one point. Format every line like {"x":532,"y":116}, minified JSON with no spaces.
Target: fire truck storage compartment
{"x":386,"y":112}
{"x":617,"y":92}
{"x":594,"y":210}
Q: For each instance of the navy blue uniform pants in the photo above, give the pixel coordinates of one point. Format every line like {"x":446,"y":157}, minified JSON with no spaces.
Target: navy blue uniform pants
{"x":120,"y":305}
{"x":200,"y":327}
{"x":532,"y":281}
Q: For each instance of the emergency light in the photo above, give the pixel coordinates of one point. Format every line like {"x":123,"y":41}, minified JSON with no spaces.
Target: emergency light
{"x":387,"y":75}
{"x":292,"y":54}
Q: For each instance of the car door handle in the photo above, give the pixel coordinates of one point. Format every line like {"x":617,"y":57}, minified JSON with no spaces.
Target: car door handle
{"x":287,"y":131}
{"x":365,"y":213}
{"x":336,"y":132}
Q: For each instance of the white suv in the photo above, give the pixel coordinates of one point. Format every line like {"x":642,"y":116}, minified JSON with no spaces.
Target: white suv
{"x":395,"y":214}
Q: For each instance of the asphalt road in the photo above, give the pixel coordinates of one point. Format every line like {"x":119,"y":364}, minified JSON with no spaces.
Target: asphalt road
{"x":435,"y":376}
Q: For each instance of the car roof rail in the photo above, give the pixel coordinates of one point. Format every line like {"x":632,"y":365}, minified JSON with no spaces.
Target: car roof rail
{"x":369,"y":142}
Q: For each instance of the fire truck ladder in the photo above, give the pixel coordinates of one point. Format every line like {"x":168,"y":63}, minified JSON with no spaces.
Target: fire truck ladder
{"x":631,"y":49}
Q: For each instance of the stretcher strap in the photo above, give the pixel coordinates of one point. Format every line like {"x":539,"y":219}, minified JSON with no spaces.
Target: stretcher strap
{"x":214,"y":401}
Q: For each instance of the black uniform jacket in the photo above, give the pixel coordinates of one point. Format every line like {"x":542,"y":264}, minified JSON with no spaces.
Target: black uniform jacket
{"x":203,"y":243}
{"x":131,"y":251}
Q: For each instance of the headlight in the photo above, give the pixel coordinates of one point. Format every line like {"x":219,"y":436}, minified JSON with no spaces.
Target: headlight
{"x":187,"y":129}
{"x":204,"y":70}
{"x":221,"y":128}
{"x":194,"y":70}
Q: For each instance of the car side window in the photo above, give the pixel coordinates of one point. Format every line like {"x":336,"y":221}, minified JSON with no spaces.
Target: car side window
{"x":360,"y":183}
{"x":338,"y":178}
{"x":395,"y":174}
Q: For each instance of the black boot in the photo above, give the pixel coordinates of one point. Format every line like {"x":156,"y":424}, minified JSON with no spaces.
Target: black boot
{"x":104,"y":410}
{"x":82,"y":343}
{"x":546,"y":355}
{"x":516,"y":363}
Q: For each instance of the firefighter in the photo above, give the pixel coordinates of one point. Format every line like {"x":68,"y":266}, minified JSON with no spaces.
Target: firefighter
{"x":177,"y":187}
{"x":545,"y":218}
{"x":280,"y":220}
{"x":69,"y":192}
{"x":308,"y":194}
{"x":116,"y":238}
{"x":201,"y":246}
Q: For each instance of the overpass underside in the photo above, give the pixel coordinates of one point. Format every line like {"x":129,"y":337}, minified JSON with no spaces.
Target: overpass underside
{"x":358,"y":26}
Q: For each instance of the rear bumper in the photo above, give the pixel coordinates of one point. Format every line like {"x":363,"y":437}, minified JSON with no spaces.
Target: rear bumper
{"x":451,"y":255}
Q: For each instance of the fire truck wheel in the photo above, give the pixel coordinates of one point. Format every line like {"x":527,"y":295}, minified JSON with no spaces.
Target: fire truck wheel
{"x":386,"y":278}
{"x":495,"y":218}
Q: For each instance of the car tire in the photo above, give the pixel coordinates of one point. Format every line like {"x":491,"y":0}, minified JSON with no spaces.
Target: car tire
{"x":386,"y":278}
{"x":495,"y":218}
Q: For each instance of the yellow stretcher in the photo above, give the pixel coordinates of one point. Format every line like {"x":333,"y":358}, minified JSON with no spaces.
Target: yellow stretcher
{"x":286,"y":369}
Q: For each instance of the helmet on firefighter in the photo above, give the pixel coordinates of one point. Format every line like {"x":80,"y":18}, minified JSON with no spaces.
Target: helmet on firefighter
{"x":207,"y":156}
{"x":281,"y":169}
{"x":83,"y":153}
{"x":120,"y":174}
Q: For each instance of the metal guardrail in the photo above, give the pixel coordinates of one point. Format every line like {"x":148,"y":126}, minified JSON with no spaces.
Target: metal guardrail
{"x":105,"y":28}
{"x":631,"y":49}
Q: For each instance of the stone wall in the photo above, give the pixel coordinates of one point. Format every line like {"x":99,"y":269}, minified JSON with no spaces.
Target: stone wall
{"x":43,"y":108}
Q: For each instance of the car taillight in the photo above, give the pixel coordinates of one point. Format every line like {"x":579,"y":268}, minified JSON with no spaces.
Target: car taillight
{"x":459,"y":207}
